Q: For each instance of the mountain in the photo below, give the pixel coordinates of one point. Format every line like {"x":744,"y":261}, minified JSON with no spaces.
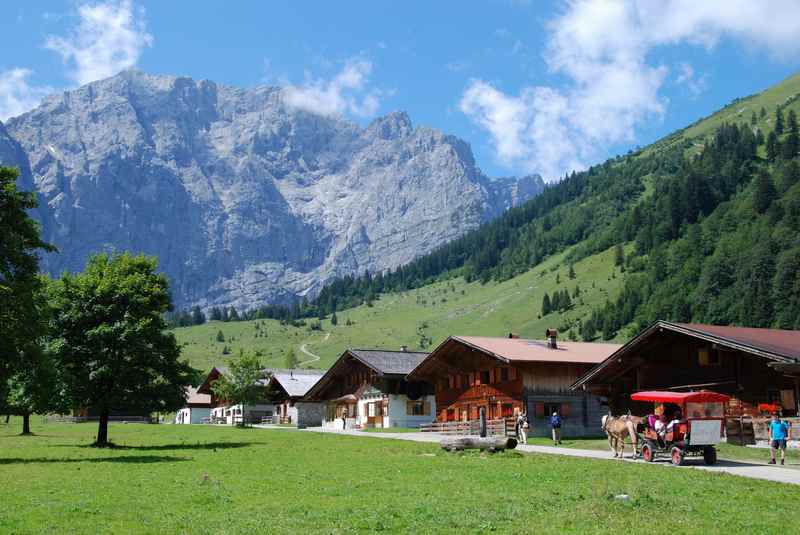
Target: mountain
{"x":703,"y":225}
{"x":244,"y":199}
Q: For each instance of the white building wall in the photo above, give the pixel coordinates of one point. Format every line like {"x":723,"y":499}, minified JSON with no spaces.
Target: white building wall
{"x":230,"y":412}
{"x":398,"y":416}
{"x":192,"y":415}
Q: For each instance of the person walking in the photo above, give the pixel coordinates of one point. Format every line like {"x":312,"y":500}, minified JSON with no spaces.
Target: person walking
{"x":522,"y":428}
{"x":555,"y":423}
{"x":778,"y":433}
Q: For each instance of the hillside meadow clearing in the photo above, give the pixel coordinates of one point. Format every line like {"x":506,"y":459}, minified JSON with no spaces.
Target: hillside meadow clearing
{"x":419,"y":319}
{"x":200,"y":479}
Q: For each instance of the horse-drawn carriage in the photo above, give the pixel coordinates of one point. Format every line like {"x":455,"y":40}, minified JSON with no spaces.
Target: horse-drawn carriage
{"x":694,"y":426}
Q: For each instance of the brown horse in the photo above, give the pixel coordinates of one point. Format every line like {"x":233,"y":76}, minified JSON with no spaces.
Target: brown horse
{"x":617,"y":428}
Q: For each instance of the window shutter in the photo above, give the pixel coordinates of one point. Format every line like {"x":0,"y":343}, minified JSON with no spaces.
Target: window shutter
{"x":512,"y":373}
{"x":492,"y":375}
{"x":471,"y":379}
{"x":426,"y":407}
{"x":539,"y":407}
{"x":565,"y":410}
{"x":409,"y":408}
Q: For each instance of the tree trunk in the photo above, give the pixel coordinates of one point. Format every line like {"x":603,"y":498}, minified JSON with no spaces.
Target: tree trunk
{"x":102,"y":430}
{"x":8,"y":417}
{"x":482,"y":443}
{"x":26,"y":424}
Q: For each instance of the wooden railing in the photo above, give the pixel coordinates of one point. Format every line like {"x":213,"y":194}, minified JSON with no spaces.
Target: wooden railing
{"x":499,"y":427}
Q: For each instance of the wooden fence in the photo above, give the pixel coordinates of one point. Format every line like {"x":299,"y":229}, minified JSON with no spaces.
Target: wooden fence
{"x":499,"y":427}
{"x":745,"y":430}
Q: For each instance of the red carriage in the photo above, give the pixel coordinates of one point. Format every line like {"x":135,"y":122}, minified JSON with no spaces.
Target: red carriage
{"x":691,"y":424}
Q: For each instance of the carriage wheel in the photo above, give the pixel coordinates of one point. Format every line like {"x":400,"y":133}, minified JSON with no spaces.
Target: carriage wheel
{"x":648,"y":453}
{"x":677,"y":456}
{"x":710,"y":455}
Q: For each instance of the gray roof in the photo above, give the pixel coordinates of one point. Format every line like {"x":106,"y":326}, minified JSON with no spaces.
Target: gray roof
{"x":297,"y":383}
{"x":389,"y":362}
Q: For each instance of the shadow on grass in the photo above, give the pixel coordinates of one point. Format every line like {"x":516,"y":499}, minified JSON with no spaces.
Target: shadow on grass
{"x":123,"y":459}
{"x":187,"y":446}
{"x":166,"y":447}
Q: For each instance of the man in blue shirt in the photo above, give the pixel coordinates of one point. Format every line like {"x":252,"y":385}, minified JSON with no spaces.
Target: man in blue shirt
{"x":555,"y":423}
{"x":778,"y":433}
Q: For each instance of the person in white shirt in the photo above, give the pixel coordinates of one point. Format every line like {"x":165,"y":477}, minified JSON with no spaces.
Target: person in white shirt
{"x":676,"y":419}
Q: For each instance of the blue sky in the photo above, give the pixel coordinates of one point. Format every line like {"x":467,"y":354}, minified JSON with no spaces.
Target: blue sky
{"x":533,"y":86}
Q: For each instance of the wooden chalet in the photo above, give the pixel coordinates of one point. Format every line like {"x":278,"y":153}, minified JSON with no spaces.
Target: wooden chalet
{"x":506,"y":376}
{"x":754,"y":366}
{"x":368,"y":388}
{"x":224,"y":413}
{"x":286,"y":389}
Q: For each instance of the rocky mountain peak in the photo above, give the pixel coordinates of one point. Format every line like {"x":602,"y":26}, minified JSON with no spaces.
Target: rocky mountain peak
{"x":244,"y":199}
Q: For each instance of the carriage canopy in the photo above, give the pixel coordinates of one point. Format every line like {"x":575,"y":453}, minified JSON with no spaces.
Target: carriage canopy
{"x":680,"y":398}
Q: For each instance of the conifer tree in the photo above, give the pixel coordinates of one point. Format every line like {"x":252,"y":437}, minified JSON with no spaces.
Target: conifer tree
{"x":779,"y":121}
{"x":619,"y":255}
{"x":764,"y":192}
{"x":546,"y":305}
{"x":773,"y":146}
{"x":571,"y":271}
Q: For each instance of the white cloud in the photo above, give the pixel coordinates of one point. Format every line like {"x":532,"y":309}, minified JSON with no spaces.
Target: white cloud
{"x":345,"y":93}
{"x":16,"y":95}
{"x":601,"y":47}
{"x":689,"y":78}
{"x":109,"y":38}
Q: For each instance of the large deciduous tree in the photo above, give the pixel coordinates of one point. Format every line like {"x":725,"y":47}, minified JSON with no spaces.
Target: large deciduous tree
{"x":19,"y":244}
{"x":35,"y":385}
{"x":111,"y":342}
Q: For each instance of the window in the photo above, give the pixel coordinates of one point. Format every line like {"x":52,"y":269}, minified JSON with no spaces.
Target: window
{"x":485,"y":377}
{"x":465,"y":380}
{"x":371,"y":409}
{"x":503,"y":374}
{"x":708,"y":357}
{"x":415,"y":408}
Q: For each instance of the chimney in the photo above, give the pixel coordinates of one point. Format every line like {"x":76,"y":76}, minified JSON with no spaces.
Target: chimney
{"x":552,"y":336}
{"x":403,"y":348}
{"x":513,"y":335}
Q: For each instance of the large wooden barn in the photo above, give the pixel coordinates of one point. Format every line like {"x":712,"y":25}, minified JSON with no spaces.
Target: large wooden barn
{"x":506,"y":376}
{"x":368,"y":388}
{"x":755,"y":366}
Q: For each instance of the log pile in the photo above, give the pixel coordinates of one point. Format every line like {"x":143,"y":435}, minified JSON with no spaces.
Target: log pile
{"x":492,"y":444}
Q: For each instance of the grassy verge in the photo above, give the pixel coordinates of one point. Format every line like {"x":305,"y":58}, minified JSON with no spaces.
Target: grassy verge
{"x":390,"y":430}
{"x":197,"y":480}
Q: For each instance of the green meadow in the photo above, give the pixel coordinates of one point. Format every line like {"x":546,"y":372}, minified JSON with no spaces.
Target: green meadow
{"x":419,"y":319}
{"x":222,"y":480}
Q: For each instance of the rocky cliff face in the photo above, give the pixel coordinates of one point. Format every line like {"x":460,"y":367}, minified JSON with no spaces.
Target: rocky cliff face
{"x":243,"y":199}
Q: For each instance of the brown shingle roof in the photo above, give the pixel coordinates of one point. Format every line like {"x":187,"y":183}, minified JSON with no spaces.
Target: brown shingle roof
{"x":777,"y":345}
{"x":776,"y":341}
{"x":522,"y":350}
{"x":193,"y":398}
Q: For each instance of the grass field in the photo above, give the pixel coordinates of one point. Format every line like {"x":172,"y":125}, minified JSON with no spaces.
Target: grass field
{"x":419,"y":319}
{"x":195,"y":480}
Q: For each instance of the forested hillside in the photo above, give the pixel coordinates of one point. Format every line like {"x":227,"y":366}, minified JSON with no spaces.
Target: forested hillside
{"x":713,"y":214}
